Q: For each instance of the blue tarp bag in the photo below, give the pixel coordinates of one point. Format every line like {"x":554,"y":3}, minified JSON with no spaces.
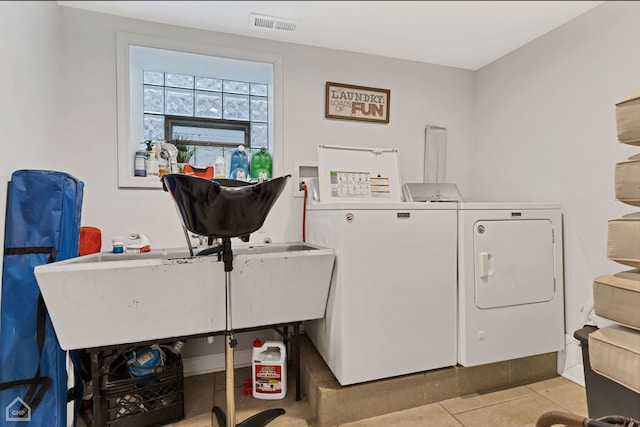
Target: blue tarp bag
{"x":42,"y":225}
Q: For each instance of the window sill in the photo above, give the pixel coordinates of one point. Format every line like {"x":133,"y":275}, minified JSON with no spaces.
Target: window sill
{"x":141,"y":182}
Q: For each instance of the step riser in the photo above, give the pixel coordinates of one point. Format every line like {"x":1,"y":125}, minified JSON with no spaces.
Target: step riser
{"x":333,"y":404}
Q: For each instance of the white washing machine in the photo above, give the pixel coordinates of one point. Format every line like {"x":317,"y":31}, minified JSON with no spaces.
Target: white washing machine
{"x":392,"y":303}
{"x":510,"y":281}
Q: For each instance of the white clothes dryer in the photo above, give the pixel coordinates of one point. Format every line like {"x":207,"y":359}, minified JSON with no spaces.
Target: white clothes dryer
{"x":510,"y":281}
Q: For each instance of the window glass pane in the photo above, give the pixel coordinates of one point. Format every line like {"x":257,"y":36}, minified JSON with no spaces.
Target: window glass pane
{"x":259,"y":109}
{"x":179,"y":80}
{"x":204,"y":156}
{"x":153,"y":127}
{"x":153,"y":99}
{"x":236,"y":87}
{"x":170,"y":84}
{"x":259,"y":135}
{"x":260,"y":90}
{"x":209,"y":104}
{"x":235,"y":107}
{"x":210,"y":134}
{"x":153,"y":78}
{"x":179,"y":102}
{"x":206,"y":83}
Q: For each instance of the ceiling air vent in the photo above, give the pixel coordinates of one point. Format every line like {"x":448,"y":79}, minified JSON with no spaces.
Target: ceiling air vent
{"x":272,"y":23}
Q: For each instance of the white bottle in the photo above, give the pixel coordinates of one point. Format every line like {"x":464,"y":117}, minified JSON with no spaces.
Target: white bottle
{"x":153,"y":168}
{"x":269,"y":365}
{"x":220,"y":167}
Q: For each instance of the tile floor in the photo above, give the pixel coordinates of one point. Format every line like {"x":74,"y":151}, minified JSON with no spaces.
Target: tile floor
{"x":514,"y":407}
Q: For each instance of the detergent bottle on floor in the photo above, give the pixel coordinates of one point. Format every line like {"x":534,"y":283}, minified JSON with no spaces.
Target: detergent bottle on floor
{"x":269,"y":370}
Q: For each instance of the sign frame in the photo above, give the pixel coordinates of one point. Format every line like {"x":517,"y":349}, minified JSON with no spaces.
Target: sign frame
{"x":352,"y":102}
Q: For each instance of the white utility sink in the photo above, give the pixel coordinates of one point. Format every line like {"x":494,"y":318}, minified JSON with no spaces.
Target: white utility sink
{"x":108,"y":299}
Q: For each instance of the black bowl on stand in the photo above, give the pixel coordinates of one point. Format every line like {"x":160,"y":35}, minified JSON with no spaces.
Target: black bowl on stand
{"x":226,"y":208}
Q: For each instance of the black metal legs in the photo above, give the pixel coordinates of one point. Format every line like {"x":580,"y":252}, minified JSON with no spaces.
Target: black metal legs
{"x":258,"y":420}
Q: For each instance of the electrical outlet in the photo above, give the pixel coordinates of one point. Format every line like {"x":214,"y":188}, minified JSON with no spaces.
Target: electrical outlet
{"x":298,"y":190}
{"x":303,"y":171}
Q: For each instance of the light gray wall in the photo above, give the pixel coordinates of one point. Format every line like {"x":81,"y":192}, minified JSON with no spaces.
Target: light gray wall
{"x":29,"y":44}
{"x":545,"y":131}
{"x":420,"y":94}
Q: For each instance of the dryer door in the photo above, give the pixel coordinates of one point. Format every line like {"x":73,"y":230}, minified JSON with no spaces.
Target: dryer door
{"x":513,"y":262}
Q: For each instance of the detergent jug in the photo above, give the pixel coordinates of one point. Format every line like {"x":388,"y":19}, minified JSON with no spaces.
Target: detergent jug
{"x":239,"y":164}
{"x":261,"y":164}
{"x":269,"y":370}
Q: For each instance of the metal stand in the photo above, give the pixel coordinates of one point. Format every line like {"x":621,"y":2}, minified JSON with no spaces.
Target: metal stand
{"x":229,"y":420}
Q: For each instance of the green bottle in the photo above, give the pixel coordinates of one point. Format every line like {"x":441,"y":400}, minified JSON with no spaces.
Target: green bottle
{"x":261,"y":164}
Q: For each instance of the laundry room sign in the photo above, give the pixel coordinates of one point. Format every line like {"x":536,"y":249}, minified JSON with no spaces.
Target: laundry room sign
{"x":351,"y":102}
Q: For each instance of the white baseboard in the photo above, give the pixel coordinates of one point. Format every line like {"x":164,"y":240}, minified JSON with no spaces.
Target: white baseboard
{"x":570,"y":364}
{"x":199,"y":365}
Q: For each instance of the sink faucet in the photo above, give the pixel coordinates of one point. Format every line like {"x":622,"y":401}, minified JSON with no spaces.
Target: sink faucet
{"x":170,"y":152}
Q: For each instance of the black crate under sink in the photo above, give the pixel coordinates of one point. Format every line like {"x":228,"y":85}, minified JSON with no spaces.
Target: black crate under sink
{"x":150,"y":400}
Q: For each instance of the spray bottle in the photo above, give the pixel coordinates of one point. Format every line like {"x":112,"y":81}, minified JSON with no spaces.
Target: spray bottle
{"x":152,"y":166}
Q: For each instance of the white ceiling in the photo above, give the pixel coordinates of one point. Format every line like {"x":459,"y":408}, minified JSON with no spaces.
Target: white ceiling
{"x":464,"y":34}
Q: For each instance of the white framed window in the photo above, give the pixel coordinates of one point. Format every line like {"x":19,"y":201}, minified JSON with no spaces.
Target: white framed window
{"x":206,"y":66}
